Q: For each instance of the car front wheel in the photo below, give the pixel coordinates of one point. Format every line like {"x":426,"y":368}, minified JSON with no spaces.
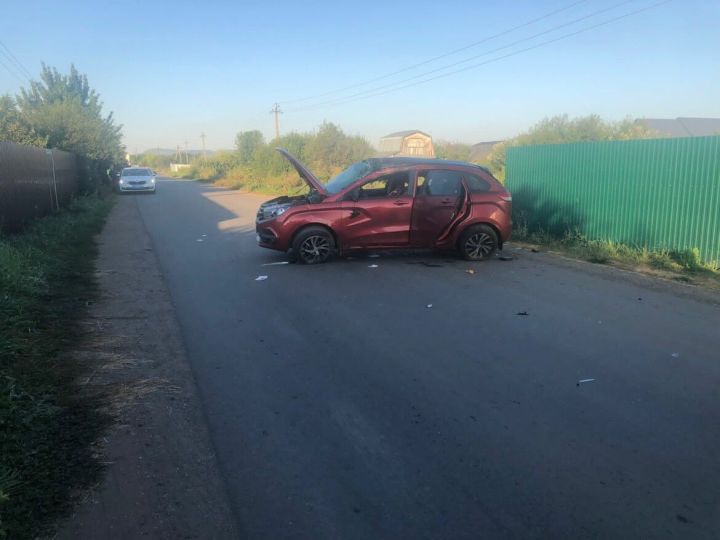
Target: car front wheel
{"x":478,"y":243}
{"x":313,"y":245}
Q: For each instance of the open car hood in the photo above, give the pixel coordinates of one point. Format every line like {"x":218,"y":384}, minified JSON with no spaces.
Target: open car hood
{"x":304,"y":172}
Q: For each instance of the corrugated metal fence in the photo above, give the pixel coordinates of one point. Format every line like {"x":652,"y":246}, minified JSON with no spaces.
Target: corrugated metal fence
{"x":28,"y":186}
{"x":656,"y":193}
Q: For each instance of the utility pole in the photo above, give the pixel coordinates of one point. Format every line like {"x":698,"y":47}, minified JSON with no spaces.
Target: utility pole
{"x":276,"y":110}
{"x":177,"y":153}
{"x":202,"y":136}
{"x":187,"y":160}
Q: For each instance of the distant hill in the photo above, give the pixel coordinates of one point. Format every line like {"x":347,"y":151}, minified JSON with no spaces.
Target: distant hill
{"x":160,"y":152}
{"x":171,"y":152}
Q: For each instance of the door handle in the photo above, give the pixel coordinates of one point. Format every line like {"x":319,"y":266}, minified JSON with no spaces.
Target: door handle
{"x":447,"y":201}
{"x":400,"y":203}
{"x":354,"y":213}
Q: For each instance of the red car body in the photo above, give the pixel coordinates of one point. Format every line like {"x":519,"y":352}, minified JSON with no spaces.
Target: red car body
{"x":390,"y":203}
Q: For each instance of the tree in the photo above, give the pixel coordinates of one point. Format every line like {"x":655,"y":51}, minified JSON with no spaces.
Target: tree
{"x":331,"y":150}
{"x":561,"y":129}
{"x":14,"y":127}
{"x":67,"y":113}
{"x":248,"y":144}
{"x":452,"y":150}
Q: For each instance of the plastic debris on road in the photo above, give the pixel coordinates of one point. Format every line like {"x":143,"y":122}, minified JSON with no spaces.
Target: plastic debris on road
{"x":470,"y":271}
{"x":535,"y":250}
{"x":675,"y":355}
{"x":374,"y":256}
{"x":522,"y":313}
{"x":505,"y":257}
{"x":275,"y":263}
{"x":199,"y":240}
{"x":583,"y":381}
{"x":373,"y":266}
{"x":261,"y":278}
{"x":428,"y":306}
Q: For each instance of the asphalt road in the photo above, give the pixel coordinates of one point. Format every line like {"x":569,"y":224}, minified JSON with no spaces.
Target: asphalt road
{"x":342,"y":406}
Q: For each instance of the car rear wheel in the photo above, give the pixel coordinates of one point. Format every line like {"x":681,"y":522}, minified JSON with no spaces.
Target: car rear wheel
{"x":478,"y":243}
{"x":313,"y":245}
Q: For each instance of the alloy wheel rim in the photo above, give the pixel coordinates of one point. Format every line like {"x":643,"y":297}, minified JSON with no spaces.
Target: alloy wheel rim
{"x":315,"y":249}
{"x":479,"y":245}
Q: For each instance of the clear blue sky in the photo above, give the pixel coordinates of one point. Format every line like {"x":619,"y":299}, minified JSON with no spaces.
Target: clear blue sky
{"x":171,"y":70}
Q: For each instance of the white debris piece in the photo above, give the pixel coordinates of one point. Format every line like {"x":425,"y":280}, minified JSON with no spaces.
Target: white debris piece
{"x":675,"y":355}
{"x":261,"y":278}
{"x":583,"y":381}
{"x":429,"y":306}
{"x":373,"y":266}
{"x":275,"y":263}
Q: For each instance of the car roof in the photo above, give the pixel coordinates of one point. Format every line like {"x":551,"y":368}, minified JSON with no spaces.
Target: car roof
{"x":387,"y":162}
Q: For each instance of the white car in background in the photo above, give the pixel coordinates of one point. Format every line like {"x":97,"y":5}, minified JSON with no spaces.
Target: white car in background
{"x":136,"y":179}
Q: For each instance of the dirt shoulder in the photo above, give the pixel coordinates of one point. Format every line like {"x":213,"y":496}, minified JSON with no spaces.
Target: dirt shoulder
{"x":162,"y":478}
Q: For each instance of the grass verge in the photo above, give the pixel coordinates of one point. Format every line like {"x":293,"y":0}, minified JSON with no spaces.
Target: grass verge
{"x":685,"y":266}
{"x":46,"y":426}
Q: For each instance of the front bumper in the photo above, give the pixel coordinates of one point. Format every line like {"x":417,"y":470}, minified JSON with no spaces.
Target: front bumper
{"x":139,"y":187}
{"x":265,"y":237}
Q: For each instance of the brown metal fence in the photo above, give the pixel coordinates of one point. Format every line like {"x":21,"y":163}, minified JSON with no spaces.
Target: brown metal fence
{"x":34,"y":182}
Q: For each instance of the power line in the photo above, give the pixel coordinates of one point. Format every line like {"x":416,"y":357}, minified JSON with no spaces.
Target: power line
{"x":470,"y":58}
{"x":444,"y":55}
{"x":17,"y":63}
{"x":11,"y":72}
{"x":473,"y":66}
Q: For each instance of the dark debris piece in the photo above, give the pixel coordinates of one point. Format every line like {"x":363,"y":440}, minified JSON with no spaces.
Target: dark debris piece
{"x":505,"y":257}
{"x":523,"y":313}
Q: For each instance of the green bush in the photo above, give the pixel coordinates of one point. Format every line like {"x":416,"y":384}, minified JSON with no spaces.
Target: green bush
{"x":689,"y":259}
{"x":256,"y":166}
{"x":46,"y":428}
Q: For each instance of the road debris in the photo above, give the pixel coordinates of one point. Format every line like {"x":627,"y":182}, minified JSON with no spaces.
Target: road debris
{"x":583,"y":381}
{"x":261,"y":278}
{"x":675,"y":355}
{"x":535,"y":250}
{"x":428,"y":306}
{"x":373,"y":266}
{"x":373,"y":256}
{"x":432,"y":265}
{"x":505,"y":257}
{"x":522,"y":313}
{"x":203,"y":235}
{"x":199,"y":240}
{"x":470,"y":271}
{"x":275,"y":263}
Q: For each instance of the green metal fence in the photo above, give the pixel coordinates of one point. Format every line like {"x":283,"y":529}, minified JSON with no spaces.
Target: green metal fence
{"x":656,"y":193}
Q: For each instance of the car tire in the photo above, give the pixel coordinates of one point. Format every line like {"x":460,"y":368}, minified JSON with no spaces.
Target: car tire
{"x":478,"y":243}
{"x":313,"y":245}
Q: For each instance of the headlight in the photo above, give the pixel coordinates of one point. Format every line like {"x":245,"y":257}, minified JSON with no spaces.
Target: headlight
{"x":122,"y":181}
{"x":280,"y":211}
{"x":152,"y":180}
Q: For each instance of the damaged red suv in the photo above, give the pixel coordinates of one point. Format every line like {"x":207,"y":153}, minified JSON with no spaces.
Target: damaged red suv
{"x":386,"y":203}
